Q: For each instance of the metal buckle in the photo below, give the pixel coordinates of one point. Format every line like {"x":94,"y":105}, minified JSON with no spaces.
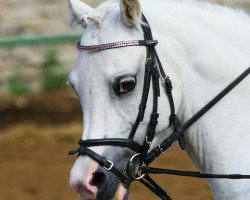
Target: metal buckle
{"x":147,"y":61}
{"x":131,"y":160}
{"x":110,"y":167}
{"x":133,"y":157}
{"x":161,"y":150}
{"x":149,"y":143}
{"x":140,"y":177}
{"x":167,"y":77}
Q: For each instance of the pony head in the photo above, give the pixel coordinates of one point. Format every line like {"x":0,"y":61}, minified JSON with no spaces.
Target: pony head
{"x":109,"y":85}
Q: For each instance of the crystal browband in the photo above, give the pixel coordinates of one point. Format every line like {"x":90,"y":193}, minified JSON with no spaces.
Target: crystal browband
{"x":113,"y":45}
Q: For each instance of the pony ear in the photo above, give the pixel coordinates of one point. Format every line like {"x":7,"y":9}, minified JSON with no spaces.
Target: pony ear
{"x":131,"y":12}
{"x":77,"y":11}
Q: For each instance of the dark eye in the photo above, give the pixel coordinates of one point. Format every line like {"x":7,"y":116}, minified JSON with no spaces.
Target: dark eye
{"x":124,"y":85}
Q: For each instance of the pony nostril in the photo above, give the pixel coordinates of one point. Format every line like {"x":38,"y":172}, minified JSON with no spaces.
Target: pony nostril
{"x":97,"y":179}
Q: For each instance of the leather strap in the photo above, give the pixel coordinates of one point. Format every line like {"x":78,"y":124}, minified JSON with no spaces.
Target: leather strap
{"x":156,"y":91}
{"x":111,"y":142}
{"x":173,"y":119}
{"x":148,"y":182}
{"x":153,"y":170}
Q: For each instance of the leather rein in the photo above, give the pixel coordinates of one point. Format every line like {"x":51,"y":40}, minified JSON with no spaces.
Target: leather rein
{"x":153,"y":73}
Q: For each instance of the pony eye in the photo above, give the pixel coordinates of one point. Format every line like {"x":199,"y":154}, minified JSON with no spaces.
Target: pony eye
{"x":125,"y":85}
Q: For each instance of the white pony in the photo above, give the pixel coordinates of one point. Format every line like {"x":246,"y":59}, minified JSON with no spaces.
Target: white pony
{"x":203,"y":47}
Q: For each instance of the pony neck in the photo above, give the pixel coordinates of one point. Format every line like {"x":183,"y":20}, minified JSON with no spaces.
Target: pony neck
{"x":201,"y":59}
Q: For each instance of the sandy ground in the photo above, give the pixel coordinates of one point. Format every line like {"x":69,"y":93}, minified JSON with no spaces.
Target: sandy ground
{"x":35,"y":165}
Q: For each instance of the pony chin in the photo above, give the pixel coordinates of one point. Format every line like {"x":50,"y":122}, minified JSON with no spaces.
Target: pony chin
{"x":121,"y":193}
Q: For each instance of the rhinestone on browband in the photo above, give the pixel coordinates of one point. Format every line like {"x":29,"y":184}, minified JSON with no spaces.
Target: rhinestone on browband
{"x":101,"y":47}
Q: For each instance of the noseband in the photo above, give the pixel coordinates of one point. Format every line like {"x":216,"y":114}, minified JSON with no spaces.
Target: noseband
{"x":153,"y":72}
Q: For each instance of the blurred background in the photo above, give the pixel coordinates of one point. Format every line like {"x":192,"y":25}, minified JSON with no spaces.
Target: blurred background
{"x":40,"y":117}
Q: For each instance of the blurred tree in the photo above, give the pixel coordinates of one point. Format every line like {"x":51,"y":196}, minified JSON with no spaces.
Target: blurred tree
{"x":18,"y":86}
{"x":54,"y":75}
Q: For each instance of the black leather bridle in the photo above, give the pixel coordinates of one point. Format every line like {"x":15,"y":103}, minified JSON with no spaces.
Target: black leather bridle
{"x":153,"y":73}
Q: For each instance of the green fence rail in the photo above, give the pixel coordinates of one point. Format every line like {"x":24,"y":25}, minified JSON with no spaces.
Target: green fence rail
{"x":37,"y":40}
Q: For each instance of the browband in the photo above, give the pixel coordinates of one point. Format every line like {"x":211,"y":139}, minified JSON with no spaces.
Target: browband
{"x":114,"y":45}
